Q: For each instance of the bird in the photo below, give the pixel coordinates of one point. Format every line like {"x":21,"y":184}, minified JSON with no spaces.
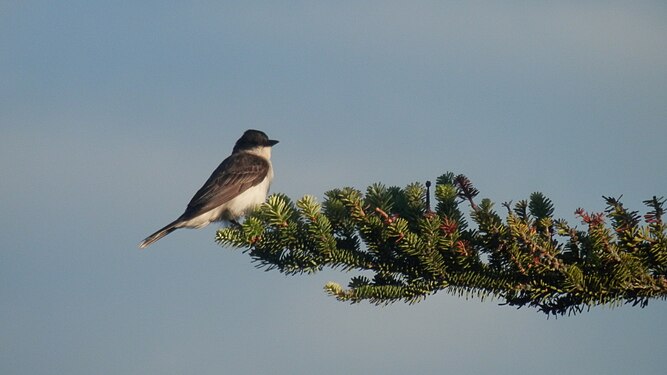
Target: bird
{"x":236,"y":187}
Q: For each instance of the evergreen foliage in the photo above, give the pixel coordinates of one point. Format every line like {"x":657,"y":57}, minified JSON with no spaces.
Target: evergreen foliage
{"x":404,"y":251}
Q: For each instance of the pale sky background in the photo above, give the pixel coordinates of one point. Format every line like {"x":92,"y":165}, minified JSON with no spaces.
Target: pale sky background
{"x":112,"y":114}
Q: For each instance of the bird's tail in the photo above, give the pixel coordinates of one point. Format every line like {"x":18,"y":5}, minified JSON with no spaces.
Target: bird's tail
{"x":159,"y":234}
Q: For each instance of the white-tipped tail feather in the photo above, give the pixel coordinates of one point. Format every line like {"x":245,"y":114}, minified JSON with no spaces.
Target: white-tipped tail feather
{"x":157,"y":235}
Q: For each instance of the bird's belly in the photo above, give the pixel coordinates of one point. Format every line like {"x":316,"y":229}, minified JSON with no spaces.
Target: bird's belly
{"x":245,"y":202}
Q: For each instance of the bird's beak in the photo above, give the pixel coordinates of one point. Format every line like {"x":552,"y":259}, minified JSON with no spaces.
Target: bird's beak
{"x":272,"y":142}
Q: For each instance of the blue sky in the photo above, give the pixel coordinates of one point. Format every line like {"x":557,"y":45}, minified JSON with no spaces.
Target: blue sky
{"x":113,"y":114}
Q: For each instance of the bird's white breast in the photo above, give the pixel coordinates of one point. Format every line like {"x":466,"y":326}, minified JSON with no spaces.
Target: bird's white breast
{"x":248,"y":200}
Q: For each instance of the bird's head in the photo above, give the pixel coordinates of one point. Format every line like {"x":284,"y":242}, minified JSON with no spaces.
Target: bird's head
{"x":254,"y":141}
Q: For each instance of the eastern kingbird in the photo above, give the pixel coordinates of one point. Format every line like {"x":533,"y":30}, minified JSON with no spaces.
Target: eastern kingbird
{"x":235,"y":188}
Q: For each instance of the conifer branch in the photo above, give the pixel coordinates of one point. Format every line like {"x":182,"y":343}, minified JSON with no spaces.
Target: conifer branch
{"x":409,"y":252}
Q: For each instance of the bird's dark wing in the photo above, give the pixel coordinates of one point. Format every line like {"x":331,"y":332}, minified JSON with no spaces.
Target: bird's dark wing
{"x":234,"y":175}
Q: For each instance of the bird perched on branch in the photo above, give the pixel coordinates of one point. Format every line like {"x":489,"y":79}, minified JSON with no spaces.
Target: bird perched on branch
{"x":236,"y":187}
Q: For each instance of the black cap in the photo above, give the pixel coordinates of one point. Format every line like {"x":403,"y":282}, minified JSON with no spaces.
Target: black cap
{"x":254,"y":138}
